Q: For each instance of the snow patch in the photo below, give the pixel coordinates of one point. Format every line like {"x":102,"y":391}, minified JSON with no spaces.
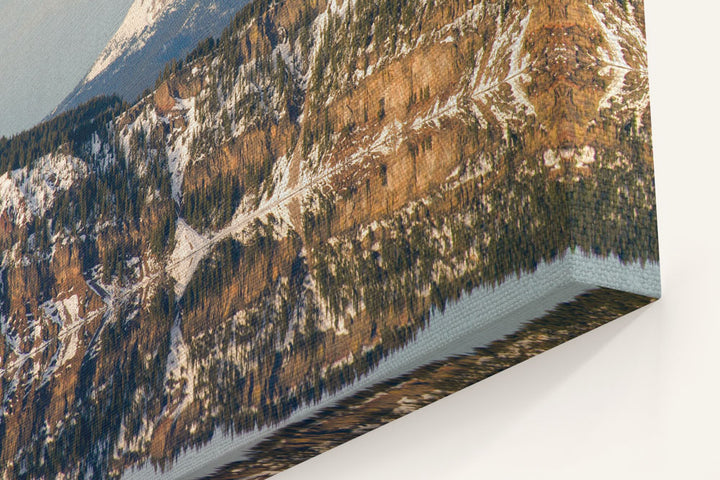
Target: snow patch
{"x":179,"y":152}
{"x":582,"y":157}
{"x":178,"y":368}
{"x":190,"y":248}
{"x":505,"y":64}
{"x":134,"y":32}
{"x":616,"y":31}
{"x":25,"y":193}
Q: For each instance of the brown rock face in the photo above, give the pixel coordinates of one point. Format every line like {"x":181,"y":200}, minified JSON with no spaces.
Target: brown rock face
{"x":164,"y":98}
{"x":175,"y":87}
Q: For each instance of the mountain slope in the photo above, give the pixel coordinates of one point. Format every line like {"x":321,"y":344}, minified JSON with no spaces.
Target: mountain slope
{"x":139,"y":25}
{"x":297,"y":202}
{"x":153,"y":33}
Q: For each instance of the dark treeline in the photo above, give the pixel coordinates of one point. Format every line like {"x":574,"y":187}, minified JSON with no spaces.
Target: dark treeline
{"x":73,"y":128}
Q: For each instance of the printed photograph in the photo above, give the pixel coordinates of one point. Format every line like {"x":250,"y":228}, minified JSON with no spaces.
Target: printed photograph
{"x":258,"y":229}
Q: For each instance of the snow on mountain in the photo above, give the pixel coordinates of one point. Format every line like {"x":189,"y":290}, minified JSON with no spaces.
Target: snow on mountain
{"x":153,"y":33}
{"x":26,"y":193}
{"x":138,"y":26}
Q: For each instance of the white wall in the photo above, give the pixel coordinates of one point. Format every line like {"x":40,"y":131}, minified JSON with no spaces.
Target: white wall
{"x":638,"y":398}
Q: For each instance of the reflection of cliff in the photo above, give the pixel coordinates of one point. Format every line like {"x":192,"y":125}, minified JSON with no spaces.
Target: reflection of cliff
{"x":294,"y":202}
{"x":397,"y":397}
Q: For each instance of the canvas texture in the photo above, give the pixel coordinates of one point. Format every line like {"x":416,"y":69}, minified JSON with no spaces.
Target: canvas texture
{"x":325,"y":217}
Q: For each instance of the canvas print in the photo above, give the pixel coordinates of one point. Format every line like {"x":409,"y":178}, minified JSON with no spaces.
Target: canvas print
{"x":258,"y":229}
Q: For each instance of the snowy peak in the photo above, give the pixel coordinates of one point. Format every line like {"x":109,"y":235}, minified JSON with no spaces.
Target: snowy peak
{"x":153,"y":33}
{"x":133,"y":33}
{"x":26,"y":193}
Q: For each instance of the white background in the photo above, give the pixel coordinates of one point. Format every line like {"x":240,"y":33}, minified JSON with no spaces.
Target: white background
{"x":638,"y":398}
